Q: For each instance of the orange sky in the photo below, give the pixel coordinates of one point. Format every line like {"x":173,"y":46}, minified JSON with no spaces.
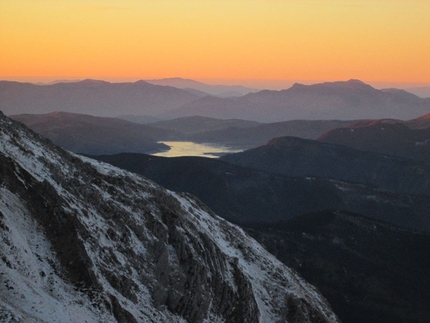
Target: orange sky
{"x":371,"y":40}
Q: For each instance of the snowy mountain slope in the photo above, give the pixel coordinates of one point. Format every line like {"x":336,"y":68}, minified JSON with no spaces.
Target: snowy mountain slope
{"x":86,"y":242}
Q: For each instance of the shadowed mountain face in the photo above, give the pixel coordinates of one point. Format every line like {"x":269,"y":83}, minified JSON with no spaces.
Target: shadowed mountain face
{"x":369,"y":271}
{"x":243,"y":195}
{"x":91,"y":97}
{"x":404,"y":139}
{"x":83,"y":241}
{"x":95,"y":135}
{"x":337,"y":100}
{"x":299,"y":157}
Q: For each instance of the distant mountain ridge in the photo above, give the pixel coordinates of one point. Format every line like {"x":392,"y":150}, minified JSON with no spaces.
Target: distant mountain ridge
{"x":216,"y":90}
{"x":348,"y":100}
{"x":91,"y":97}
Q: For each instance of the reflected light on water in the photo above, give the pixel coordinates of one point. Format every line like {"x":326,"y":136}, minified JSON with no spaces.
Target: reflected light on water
{"x":188,"y":148}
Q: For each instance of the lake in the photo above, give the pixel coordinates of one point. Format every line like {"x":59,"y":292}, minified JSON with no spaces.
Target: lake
{"x":188,"y":148}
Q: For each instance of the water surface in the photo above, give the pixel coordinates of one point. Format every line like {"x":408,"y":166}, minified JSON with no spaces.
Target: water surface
{"x":188,"y":148}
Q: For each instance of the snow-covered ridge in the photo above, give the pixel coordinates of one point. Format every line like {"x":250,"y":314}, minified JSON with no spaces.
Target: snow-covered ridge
{"x":83,"y":241}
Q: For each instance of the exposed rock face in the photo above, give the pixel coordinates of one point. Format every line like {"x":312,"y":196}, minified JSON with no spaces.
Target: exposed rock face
{"x":83,"y":241}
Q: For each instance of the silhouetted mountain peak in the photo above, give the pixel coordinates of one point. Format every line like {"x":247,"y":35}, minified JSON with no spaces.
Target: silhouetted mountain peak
{"x":356,"y":82}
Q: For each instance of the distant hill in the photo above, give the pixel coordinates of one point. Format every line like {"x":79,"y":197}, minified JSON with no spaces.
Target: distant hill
{"x":421,"y":122}
{"x":138,"y":118}
{"x":95,"y":135}
{"x":260,"y":134}
{"x":216,"y":90}
{"x":299,"y":157}
{"x":197,"y":124}
{"x":392,"y":137}
{"x":422,"y":91}
{"x":333,"y":100}
{"x":91,"y":97}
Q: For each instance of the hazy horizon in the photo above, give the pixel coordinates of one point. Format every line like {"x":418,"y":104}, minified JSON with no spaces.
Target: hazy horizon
{"x":261,"y":84}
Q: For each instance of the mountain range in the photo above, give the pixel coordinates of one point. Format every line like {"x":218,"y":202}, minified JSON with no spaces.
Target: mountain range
{"x":83,"y":241}
{"x":91,"y":97}
{"x":348,"y":100}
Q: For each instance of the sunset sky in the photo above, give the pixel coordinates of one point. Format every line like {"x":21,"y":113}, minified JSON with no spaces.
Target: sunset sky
{"x":216,"y":40}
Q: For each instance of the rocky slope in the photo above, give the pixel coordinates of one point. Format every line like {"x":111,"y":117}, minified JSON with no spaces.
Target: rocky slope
{"x":86,"y":242}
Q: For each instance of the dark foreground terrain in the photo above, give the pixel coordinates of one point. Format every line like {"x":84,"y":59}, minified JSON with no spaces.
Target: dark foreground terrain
{"x":360,"y":245}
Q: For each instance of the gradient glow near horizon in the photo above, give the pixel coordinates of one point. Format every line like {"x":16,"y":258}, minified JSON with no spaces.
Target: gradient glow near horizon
{"x":371,"y":40}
